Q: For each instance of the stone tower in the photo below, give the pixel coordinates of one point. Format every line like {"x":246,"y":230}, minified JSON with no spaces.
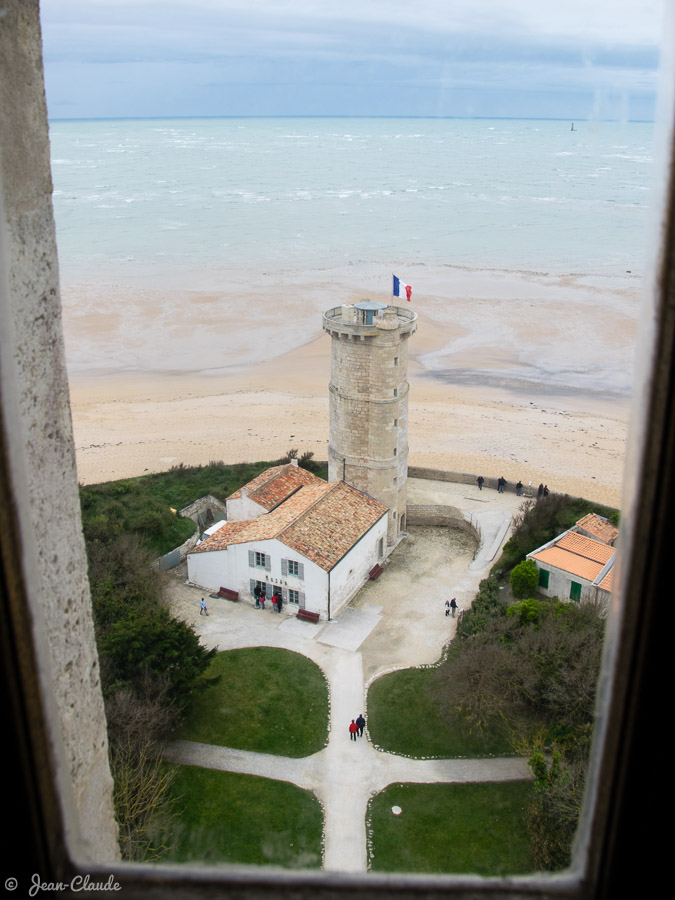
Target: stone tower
{"x":368,"y":445}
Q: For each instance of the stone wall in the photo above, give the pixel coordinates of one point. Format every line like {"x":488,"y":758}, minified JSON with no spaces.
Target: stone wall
{"x":466,"y":478}
{"x":368,"y":397}
{"x":37,"y":447}
{"x":445,"y":516}
{"x":201,"y":510}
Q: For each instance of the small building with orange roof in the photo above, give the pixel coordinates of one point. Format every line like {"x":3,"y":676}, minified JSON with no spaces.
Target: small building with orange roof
{"x":597,"y":527}
{"x":575,"y":567}
{"x":311,"y":541}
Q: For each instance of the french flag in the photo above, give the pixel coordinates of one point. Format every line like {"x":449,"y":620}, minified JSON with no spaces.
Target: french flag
{"x":398,"y":286}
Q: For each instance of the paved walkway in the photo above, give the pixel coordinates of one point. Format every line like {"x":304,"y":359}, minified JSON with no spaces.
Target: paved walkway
{"x":393,"y":623}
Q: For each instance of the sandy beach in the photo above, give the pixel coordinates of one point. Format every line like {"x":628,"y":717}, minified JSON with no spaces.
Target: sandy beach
{"x":521,"y":374}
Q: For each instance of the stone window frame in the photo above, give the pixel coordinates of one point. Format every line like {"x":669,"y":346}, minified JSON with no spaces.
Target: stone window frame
{"x":57,"y":805}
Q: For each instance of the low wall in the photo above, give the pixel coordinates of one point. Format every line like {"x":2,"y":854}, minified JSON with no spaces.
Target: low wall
{"x":466,"y":478}
{"x":175,"y":557}
{"x":201,"y":510}
{"x":448,"y":516}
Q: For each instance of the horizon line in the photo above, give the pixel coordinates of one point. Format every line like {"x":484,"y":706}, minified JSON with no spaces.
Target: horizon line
{"x":582,"y":119}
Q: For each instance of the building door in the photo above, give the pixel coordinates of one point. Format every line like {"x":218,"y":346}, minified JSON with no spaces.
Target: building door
{"x":575,"y":591}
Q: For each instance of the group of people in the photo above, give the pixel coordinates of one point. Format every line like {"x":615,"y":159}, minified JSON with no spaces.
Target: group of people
{"x":356,"y":727}
{"x":451,"y":605}
{"x":501,"y":484}
{"x":260,"y":597}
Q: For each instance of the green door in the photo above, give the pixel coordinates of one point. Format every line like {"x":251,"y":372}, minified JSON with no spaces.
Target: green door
{"x":543,"y":578}
{"x":575,"y":591}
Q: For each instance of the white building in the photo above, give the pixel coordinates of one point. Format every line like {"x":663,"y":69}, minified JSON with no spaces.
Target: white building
{"x":575,"y":567}
{"x":313,"y":541}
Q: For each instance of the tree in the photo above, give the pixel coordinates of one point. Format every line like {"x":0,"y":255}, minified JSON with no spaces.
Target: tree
{"x":524,"y":579}
{"x":138,"y":722}
{"x":150,"y":665}
{"x":156,"y":643}
{"x":534,"y":672}
{"x":140,"y":795}
{"x":554,"y":811}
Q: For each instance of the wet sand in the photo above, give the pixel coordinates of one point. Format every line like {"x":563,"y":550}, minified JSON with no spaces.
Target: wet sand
{"x":516,"y":374}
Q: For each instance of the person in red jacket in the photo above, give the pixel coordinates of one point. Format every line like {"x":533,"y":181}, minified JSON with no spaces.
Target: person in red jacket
{"x":353,"y":728}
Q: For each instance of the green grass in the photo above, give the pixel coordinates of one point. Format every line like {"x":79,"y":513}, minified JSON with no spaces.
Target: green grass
{"x":221,"y":817}
{"x":408,"y":714}
{"x":143,"y":505}
{"x":452,"y":828}
{"x":268,"y":700}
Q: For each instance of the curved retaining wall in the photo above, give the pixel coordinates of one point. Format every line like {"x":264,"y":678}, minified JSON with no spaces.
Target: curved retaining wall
{"x":449,"y":516}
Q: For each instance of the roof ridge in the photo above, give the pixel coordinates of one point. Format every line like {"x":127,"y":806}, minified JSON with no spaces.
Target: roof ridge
{"x":267,"y":480}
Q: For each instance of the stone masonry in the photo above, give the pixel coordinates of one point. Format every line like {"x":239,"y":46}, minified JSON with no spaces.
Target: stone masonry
{"x":368,"y":444}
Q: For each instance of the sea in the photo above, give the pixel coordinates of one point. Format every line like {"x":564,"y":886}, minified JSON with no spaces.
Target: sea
{"x":144,"y":199}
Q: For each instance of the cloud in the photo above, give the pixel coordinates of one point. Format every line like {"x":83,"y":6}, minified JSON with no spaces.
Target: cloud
{"x":573,"y":44}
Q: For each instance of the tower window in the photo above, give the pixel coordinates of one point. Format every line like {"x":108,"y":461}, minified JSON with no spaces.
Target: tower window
{"x":395,"y":422}
{"x":395,"y":392}
{"x":396,"y":360}
{"x":394,"y":451}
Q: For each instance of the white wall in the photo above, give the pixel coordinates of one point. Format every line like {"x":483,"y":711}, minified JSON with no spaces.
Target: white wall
{"x":243,"y":509}
{"x":230,"y":568}
{"x":349,"y":574}
{"x":559,"y":584}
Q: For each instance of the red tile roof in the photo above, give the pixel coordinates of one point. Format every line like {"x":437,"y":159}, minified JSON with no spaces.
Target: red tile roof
{"x":586,"y":547}
{"x":578,"y":555}
{"x":322,"y":521}
{"x":274,"y":485}
{"x":599,"y":527}
{"x":568,"y":562}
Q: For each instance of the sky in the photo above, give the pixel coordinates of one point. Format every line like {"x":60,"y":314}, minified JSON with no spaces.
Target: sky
{"x":569,"y":59}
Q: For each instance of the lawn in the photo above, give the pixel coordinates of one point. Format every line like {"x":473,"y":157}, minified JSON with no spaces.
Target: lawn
{"x":268,"y":700}
{"x":451,"y":828}
{"x":222,"y":817}
{"x":408,"y":715}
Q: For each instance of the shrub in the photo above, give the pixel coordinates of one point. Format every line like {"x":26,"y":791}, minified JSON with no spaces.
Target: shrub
{"x":486,"y":606}
{"x":528,"y":611}
{"x":524,"y":579}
